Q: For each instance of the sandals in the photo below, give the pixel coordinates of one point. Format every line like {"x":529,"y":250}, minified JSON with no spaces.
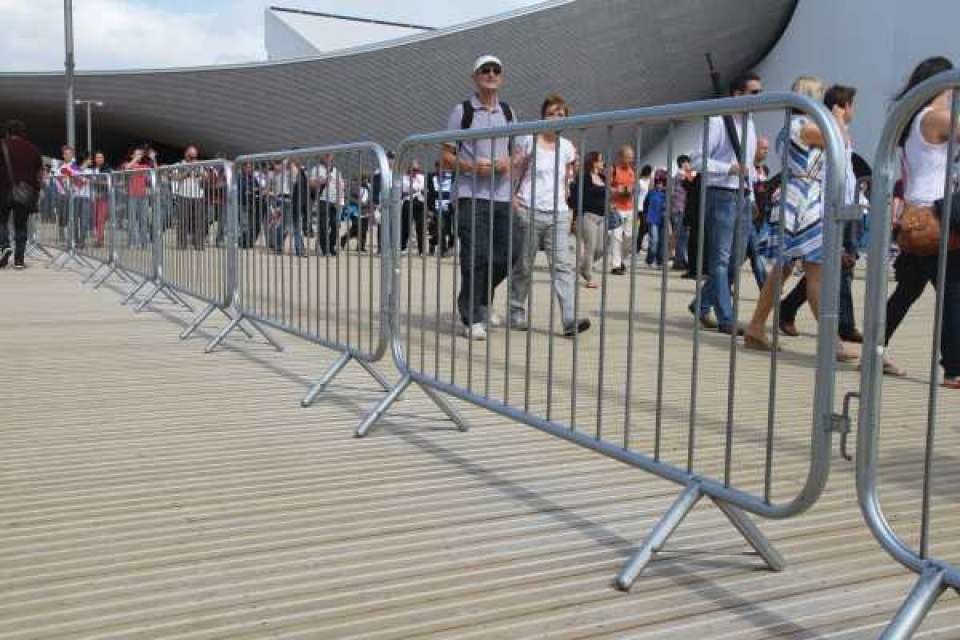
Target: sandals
{"x":891,"y":369}
{"x":757,"y":343}
{"x":951,"y":383}
{"x":591,"y":285}
{"x":845,"y":356}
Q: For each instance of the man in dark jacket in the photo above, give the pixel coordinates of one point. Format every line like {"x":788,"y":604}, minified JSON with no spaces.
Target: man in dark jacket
{"x":19,"y":187}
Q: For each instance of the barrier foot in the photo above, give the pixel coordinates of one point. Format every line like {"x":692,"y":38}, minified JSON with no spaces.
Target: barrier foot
{"x":38,"y":250}
{"x":371,"y":418}
{"x":93,"y":273}
{"x":925,"y":593}
{"x":143,"y":303}
{"x":213,"y":344}
{"x":755,"y":538}
{"x":134,"y":292}
{"x":325,"y":379}
{"x":376,"y":375}
{"x":175,"y":298}
{"x":658,"y":537}
{"x":446,"y":407}
{"x":256,"y":327}
{"x":113,"y":270}
{"x":55,"y":260}
{"x":200,"y":319}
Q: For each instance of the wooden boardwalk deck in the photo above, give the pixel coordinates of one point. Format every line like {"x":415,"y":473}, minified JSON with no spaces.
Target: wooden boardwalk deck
{"x":151,"y":491}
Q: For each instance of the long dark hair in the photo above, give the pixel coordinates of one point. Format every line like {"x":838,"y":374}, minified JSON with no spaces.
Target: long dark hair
{"x":923,"y":71}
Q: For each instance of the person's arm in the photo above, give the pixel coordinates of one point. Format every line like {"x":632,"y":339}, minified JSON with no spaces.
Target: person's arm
{"x":935,"y":126}
{"x":715,"y":137}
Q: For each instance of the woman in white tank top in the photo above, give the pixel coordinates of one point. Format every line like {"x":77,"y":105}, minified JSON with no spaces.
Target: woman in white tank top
{"x":924,"y":174}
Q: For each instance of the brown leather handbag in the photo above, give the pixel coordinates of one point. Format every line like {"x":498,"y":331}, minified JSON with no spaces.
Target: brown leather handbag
{"x":920,"y":232}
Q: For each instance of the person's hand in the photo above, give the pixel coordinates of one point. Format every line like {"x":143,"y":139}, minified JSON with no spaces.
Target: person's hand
{"x":848,"y":261}
{"x":482,"y":167}
{"x":502,"y":166}
{"x":736,"y":169}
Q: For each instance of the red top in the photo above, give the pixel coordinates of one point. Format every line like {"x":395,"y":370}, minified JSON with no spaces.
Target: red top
{"x":137,"y":183}
{"x":26,"y":163}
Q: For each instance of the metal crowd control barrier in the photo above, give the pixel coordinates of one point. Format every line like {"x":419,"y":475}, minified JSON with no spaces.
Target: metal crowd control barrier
{"x":57,"y":227}
{"x":309,"y":259}
{"x":936,"y":573}
{"x":135,"y":248}
{"x":94,"y":222}
{"x":39,"y":223}
{"x":196,"y":242}
{"x":608,"y":389}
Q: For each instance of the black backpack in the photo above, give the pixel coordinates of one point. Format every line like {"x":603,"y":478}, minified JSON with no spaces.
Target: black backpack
{"x":466,"y":120}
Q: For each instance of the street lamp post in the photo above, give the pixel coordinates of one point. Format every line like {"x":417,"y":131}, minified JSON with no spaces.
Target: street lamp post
{"x":68,"y":66}
{"x":89,"y":104}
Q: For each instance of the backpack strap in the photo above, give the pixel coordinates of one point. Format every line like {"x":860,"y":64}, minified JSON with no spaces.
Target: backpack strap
{"x":466,"y":118}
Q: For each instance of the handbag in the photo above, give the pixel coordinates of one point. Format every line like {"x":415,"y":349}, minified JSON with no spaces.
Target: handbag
{"x":614,"y":221}
{"x":21,"y":192}
{"x":919,"y":232}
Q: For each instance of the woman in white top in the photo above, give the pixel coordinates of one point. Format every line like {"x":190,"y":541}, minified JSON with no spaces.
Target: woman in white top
{"x":924,"y":145}
{"x":544,"y":218}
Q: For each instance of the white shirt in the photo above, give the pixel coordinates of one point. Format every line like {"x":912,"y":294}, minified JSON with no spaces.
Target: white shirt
{"x":549,"y":185}
{"x":924,"y":166}
{"x":187,"y":181}
{"x":333,"y":192}
{"x":643,"y":188}
{"x":414,"y":186}
{"x":720,"y":155}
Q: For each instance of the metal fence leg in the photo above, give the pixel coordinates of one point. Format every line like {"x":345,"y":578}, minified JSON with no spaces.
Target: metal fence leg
{"x":186,"y":333}
{"x":143,"y":303}
{"x":175,"y":298}
{"x":376,"y":375}
{"x":925,"y":593}
{"x":756,"y":539}
{"x":93,"y":273}
{"x":56,"y":260}
{"x":371,"y":418}
{"x":325,"y":379}
{"x":263,"y":332}
{"x":135,"y":291}
{"x":661,"y":532}
{"x":446,"y":407}
{"x":213,"y":344}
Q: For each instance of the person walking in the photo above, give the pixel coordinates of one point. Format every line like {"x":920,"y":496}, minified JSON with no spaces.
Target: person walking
{"x":483,"y":193}
{"x":801,"y":217}
{"x":623,"y":184}
{"x":925,"y":143}
{"x":727,"y":215}
{"x":544,"y":217}
{"x":591,"y":226}
{"x":20,"y":180}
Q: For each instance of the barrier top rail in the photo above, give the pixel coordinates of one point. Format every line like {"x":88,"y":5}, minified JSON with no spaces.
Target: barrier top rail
{"x":834,"y":213}
{"x":885,"y":172}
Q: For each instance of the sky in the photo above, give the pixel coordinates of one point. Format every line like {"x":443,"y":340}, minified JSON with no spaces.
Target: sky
{"x":125,"y":34}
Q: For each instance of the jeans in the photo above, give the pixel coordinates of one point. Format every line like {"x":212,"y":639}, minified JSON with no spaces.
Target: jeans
{"x":680,"y":231}
{"x":83,"y":220}
{"x":757,"y":264}
{"x":138,"y":227}
{"x":293,"y":225}
{"x":655,"y":247}
{"x":721,"y":229}
{"x":554,"y":241}
{"x":21,"y":216}
{"x":485,"y":255}
{"x":792,"y":303}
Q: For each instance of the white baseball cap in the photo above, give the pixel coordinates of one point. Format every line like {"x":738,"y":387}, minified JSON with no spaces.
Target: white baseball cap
{"x":486,"y":59}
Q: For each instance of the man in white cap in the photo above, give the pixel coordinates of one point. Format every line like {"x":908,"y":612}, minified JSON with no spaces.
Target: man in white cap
{"x":483,"y":197}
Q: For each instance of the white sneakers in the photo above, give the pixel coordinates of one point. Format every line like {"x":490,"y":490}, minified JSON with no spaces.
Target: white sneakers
{"x":476,"y":331}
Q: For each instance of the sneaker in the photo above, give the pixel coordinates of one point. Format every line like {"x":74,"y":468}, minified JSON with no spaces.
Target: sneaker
{"x":572,"y":329}
{"x":518,"y":322}
{"x":476,"y":331}
{"x":20,"y":266}
{"x":5,"y":257}
{"x":618,"y":271}
{"x":706,"y":322}
{"x":494,"y":319}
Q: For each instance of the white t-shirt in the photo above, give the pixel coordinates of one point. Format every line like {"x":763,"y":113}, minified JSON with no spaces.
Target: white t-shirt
{"x":547,"y":177}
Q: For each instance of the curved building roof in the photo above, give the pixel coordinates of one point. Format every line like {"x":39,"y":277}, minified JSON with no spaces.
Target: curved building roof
{"x":599,"y":54}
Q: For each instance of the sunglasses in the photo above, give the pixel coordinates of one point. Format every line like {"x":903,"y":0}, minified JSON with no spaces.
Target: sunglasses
{"x":755,"y":92}
{"x":489,"y":68}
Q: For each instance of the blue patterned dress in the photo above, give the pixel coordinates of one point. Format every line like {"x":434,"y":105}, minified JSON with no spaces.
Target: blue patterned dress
{"x":803,"y":209}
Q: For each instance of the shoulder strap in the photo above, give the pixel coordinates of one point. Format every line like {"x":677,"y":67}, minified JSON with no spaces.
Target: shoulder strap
{"x":466,"y":118}
{"x":6,"y":162}
{"x":507,"y":112}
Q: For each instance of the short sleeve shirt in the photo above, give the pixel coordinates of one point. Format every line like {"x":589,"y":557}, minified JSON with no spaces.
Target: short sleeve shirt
{"x":468,"y":184}
{"x":546,"y":182}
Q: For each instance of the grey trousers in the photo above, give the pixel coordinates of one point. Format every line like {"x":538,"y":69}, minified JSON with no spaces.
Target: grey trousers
{"x":554,"y":241}
{"x":591,"y":230}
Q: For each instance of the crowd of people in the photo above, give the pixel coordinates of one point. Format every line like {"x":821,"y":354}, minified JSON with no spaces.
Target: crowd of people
{"x":497,"y":202}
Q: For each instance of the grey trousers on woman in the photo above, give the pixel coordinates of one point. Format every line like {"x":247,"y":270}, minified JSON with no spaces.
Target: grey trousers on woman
{"x":591,"y":230}
{"x":553,"y":238}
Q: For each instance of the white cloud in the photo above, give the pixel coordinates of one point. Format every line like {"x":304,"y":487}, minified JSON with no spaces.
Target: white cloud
{"x":118,"y":34}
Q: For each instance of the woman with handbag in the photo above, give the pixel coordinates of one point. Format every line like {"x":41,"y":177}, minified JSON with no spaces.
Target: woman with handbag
{"x":924,"y":147}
